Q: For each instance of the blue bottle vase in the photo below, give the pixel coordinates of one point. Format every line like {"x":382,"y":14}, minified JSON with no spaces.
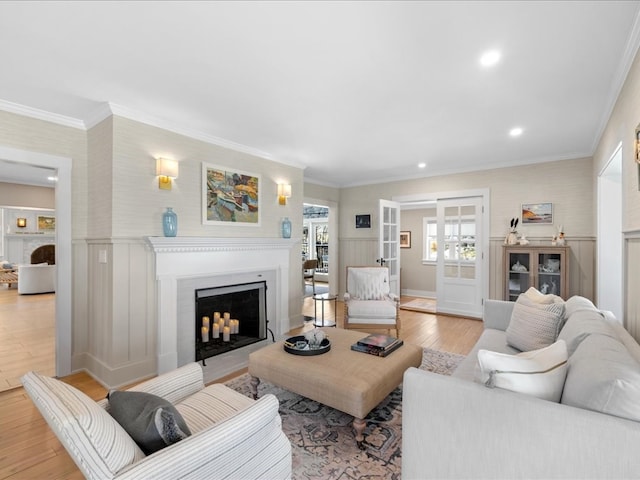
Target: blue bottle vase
{"x":286,"y":228}
{"x":170,"y":223}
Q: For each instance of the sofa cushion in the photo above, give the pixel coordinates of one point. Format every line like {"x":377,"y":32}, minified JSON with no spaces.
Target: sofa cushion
{"x":540,"y":373}
{"x":211,"y":405}
{"x":534,"y":325}
{"x":576,"y":303}
{"x":602,"y":376}
{"x":580,"y":324}
{"x":88,"y":432}
{"x":372,"y":309}
{"x":151,"y":421}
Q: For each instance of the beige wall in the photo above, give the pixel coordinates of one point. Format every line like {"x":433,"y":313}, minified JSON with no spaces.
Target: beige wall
{"x":31,"y":196}
{"x":415,"y":277}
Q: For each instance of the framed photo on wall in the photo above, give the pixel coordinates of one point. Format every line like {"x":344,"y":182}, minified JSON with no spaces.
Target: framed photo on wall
{"x":537,"y":213}
{"x":405,"y":239}
{"x":363,"y":221}
{"x":230,"y":196}
{"x":46,"y":223}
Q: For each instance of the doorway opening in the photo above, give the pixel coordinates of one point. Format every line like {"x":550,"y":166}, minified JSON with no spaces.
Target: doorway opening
{"x":315,"y":246}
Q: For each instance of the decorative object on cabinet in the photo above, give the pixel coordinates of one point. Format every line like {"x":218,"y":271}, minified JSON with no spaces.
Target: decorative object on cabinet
{"x":230,"y":196}
{"x":537,"y":213}
{"x":363,"y":221}
{"x":544,"y":267}
{"x":405,"y":239}
{"x":512,"y":236}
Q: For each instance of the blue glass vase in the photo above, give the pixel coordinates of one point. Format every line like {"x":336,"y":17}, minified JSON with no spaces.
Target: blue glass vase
{"x":286,"y":227}
{"x":170,"y":223}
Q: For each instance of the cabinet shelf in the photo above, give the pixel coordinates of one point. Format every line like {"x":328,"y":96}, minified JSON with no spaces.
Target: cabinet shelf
{"x":536,"y":259}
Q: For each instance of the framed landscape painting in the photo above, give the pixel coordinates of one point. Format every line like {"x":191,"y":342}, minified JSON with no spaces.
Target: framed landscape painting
{"x":46,"y":223}
{"x":230,"y":196}
{"x":537,"y":213}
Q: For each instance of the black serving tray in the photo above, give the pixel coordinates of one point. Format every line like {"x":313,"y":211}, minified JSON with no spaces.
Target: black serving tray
{"x":291,"y":347}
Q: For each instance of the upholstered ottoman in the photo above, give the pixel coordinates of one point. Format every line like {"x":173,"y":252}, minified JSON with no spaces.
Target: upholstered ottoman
{"x":352,"y":382}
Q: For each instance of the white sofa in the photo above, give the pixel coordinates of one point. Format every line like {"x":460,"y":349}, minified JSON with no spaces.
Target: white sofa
{"x":232,"y":436}
{"x":456,"y":427}
{"x":38,"y":278}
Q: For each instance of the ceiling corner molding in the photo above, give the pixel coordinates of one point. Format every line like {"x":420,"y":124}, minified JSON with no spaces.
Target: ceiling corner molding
{"x":41,"y":115}
{"x":619,"y":78}
{"x":98,"y":115}
{"x":153,"y":121}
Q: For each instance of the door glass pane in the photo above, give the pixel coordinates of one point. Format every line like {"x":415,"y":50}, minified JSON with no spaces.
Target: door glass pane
{"x":549,"y":274}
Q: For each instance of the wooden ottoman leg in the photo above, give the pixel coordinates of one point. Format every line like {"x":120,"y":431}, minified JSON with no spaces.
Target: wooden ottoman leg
{"x":358,"y":426}
{"x":253,"y":385}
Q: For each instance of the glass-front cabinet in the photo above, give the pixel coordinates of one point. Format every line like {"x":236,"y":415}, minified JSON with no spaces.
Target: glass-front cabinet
{"x":543,"y":267}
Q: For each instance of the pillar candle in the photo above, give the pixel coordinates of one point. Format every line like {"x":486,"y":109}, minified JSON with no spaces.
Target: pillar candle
{"x":227,"y":316}
{"x":237,"y":326}
{"x":205,"y":322}
{"x":205,"y":334}
{"x":216,"y":330}
{"x":221,"y":324}
{"x":234,"y":328}
{"x":225,"y":334}
{"x":216,"y":317}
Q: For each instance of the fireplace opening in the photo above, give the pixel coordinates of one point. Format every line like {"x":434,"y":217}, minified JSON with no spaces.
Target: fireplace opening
{"x":229,"y":318}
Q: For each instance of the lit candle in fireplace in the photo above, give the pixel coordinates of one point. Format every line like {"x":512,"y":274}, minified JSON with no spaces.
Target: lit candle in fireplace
{"x":216,"y":317}
{"x":216,"y":330}
{"x":237,"y":326}
{"x":233,"y":326}
{"x":227,"y":316}
{"x":205,"y":334}
{"x":225,"y":334}
{"x":205,"y":322}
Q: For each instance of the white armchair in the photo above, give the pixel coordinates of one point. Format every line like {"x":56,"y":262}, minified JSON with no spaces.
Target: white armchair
{"x":232,"y":436}
{"x":368,"y":303}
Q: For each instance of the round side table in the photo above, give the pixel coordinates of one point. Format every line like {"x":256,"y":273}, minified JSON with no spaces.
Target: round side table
{"x":321,"y":299}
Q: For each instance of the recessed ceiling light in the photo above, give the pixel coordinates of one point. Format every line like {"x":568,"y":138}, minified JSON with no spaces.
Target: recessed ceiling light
{"x":516,"y":132}
{"x":490,"y":58}
{"x":422,"y":165}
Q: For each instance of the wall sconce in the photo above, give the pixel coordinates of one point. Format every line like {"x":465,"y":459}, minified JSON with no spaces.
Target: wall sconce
{"x":284,"y":192}
{"x":166,"y":171}
{"x":21,"y":222}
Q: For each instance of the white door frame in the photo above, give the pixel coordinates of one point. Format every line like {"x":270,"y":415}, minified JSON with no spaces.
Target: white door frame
{"x":63,"y":246}
{"x":610,"y":245}
{"x":486,"y":197}
{"x":394,"y":269}
{"x":333,"y":238}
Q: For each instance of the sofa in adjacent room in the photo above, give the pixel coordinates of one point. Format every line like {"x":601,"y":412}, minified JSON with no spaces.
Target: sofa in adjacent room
{"x":575,"y":416}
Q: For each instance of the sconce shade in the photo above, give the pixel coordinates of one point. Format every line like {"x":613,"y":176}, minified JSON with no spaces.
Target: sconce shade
{"x":166,"y":170}
{"x":284,"y":192}
{"x":21,"y":222}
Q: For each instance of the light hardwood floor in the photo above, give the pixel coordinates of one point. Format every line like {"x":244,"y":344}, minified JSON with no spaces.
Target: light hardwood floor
{"x":27,"y":335}
{"x":29,"y":450}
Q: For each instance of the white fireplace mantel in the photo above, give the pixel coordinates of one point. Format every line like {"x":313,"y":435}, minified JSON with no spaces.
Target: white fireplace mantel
{"x":182,"y":263}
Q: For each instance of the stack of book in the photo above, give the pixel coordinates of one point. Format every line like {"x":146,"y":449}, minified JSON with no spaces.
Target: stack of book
{"x":377,"y":344}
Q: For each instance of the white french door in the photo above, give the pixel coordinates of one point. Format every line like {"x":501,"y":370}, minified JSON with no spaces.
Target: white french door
{"x":460,"y":256}
{"x":389,"y":242}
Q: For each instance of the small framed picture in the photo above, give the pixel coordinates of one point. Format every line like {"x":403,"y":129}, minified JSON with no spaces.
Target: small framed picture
{"x":363,"y":221}
{"x":46,"y":223}
{"x":537,"y":213}
{"x":405,"y":239}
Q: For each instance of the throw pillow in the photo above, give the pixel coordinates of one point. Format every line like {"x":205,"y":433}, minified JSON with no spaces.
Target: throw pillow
{"x":537,"y":296}
{"x":370,"y":285}
{"x":151,"y":421}
{"x":540,"y":373}
{"x":534,"y":325}
{"x":603,"y":377}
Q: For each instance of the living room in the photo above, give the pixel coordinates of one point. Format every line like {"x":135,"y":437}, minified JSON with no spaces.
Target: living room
{"x":108,"y":310}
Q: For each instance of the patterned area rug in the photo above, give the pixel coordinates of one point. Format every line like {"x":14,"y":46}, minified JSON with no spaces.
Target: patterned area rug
{"x":322,"y":438}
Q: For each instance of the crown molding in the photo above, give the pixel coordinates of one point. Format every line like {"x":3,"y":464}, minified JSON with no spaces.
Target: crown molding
{"x":41,"y":115}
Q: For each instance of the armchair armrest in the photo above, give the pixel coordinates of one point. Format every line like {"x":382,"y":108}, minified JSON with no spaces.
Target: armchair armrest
{"x":497,"y":314}
{"x":250,"y":444}
{"x":394,"y":297}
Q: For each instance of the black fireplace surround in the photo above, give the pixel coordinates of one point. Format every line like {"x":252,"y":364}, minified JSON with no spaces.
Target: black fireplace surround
{"x":246,"y":302}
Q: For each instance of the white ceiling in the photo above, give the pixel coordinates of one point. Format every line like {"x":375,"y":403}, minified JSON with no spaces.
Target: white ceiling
{"x":354,"y":92}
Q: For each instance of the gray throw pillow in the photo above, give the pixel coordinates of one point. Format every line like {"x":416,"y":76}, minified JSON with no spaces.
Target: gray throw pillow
{"x":151,"y":421}
{"x":534,"y":325}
